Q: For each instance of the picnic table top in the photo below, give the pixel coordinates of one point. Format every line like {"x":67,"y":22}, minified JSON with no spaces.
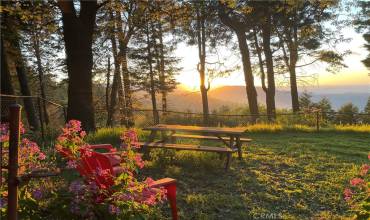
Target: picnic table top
{"x":213,"y":130}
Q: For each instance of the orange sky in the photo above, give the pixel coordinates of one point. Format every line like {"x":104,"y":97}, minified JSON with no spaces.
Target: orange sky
{"x":355,"y":74}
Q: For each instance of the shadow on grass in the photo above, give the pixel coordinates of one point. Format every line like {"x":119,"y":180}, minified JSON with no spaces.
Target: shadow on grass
{"x":280,"y":175}
{"x":293,"y":175}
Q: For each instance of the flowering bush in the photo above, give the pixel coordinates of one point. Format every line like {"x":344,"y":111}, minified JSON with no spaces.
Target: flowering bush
{"x":357,"y":195}
{"x":71,"y":139}
{"x":31,"y":158}
{"x":123,"y":197}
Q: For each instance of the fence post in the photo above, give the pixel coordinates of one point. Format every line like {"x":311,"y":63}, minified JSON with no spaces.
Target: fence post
{"x":317,"y":120}
{"x":65,"y":114}
{"x":14,"y":137}
{"x":41,"y":120}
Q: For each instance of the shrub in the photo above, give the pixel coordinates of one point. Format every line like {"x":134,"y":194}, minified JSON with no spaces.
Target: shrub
{"x":357,"y":195}
{"x":123,"y":197}
{"x":30,"y":159}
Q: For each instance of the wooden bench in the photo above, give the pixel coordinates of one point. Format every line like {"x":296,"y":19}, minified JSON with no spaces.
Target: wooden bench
{"x":223,"y":150}
{"x":203,"y":137}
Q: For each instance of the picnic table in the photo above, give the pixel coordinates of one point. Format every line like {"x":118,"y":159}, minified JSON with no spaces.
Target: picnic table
{"x":230,"y":137}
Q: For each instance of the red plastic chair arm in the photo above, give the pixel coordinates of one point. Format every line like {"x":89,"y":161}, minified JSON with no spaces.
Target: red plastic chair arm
{"x":101,"y":146}
{"x":163,"y":182}
{"x":170,"y":186}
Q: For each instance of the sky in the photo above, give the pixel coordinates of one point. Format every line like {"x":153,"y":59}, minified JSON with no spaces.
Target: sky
{"x":355,"y":74}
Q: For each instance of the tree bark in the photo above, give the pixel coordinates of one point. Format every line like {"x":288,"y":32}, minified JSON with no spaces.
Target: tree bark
{"x":23,"y":84}
{"x":202,"y":62}
{"x":162,"y":73}
{"x":25,"y":90}
{"x":78,"y":37}
{"x":36,"y":47}
{"x":248,"y":76}
{"x":239,"y":29}
{"x":12,"y":37}
{"x":260,"y":61}
{"x":293,"y":57}
{"x":6,"y":82}
{"x":117,"y":82}
{"x":6,"y":85}
{"x":123,"y":41}
{"x":151,"y":75}
{"x":270,"y":95}
{"x":107,"y":86}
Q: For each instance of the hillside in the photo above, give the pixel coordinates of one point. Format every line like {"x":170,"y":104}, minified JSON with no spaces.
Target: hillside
{"x":183,"y":100}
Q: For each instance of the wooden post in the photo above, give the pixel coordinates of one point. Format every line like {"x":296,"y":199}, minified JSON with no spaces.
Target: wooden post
{"x":239,"y":146}
{"x":65,"y":114}
{"x":14,"y":138}
{"x":317,"y":121}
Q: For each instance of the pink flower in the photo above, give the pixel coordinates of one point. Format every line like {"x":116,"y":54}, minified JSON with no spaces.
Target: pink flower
{"x":149,"y":181}
{"x":138,"y":161}
{"x":130,"y":137}
{"x":61,"y":139}
{"x":103,"y":173}
{"x":86,"y":152}
{"x":74,"y":125}
{"x":356,"y":181}
{"x":4,"y":138}
{"x":71,"y":164}
{"x":364,"y":169}
{"x":41,"y":156}
{"x":347,"y":194}
{"x":21,"y":128}
{"x":83,"y":134}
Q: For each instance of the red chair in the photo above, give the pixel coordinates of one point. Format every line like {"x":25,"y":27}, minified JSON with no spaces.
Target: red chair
{"x":108,"y":161}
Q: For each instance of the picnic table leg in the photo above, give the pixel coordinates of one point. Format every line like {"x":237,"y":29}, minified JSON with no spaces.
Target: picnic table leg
{"x":146,"y":149}
{"x":231,"y":145}
{"x":228,"y":161}
{"x":239,"y":146}
{"x":172,"y":138}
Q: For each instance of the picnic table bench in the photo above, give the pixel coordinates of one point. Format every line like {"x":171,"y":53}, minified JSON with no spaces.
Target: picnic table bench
{"x":231,"y":137}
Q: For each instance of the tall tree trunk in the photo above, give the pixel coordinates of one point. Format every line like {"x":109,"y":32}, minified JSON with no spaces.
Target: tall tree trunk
{"x":12,"y":37}
{"x":239,"y":29}
{"x":293,"y":57}
{"x":248,"y":75}
{"x":270,"y":95}
{"x":117,"y":83}
{"x":78,"y":35}
{"x":151,"y":75}
{"x":260,"y":62}
{"x":123,"y":41}
{"x":162,"y":73}
{"x":23,"y":84}
{"x":107,"y":86}
{"x":36,"y":47}
{"x":6,"y":85}
{"x":129,"y":119}
{"x":6,"y":82}
{"x":25,"y":90}
{"x":202,"y":62}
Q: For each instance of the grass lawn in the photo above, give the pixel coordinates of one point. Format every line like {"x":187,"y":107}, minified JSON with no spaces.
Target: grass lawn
{"x":288,"y":175}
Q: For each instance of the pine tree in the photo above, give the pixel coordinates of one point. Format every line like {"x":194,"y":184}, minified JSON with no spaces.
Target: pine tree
{"x":154,"y":64}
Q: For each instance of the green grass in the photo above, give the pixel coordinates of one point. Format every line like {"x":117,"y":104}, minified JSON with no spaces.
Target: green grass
{"x":294,"y":175}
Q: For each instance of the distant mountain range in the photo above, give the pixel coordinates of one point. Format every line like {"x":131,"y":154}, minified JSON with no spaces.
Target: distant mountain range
{"x":233,"y":96}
